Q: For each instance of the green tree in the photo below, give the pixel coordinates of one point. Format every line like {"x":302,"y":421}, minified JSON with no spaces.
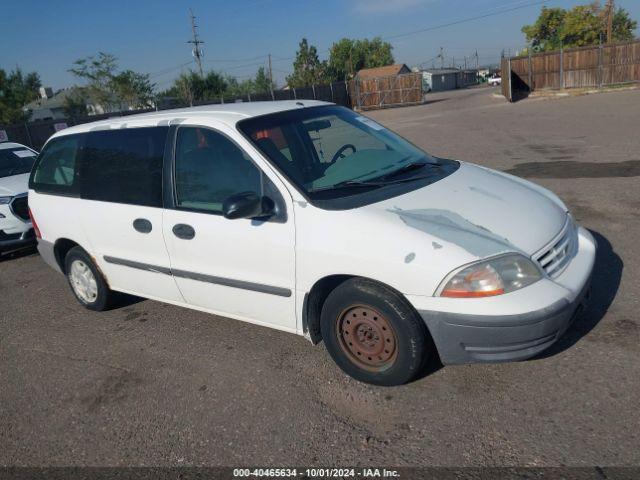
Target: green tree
{"x":581,"y":25}
{"x":112,"y":89}
{"x":192,"y":88}
{"x":98,"y":71}
{"x":307,"y":68}
{"x":133,"y":89}
{"x":545,"y":33}
{"x":16,"y":90}
{"x":623,"y":26}
{"x":262,"y":83}
{"x":347,"y":56}
{"x":75,"y":105}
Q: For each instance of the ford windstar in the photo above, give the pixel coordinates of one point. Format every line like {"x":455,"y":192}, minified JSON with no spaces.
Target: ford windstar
{"x":313,"y":219}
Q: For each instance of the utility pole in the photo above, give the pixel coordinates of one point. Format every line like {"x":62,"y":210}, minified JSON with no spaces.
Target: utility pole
{"x":610,"y":11}
{"x":197,"y":51}
{"x":441,"y":55}
{"x":477,"y":61}
{"x":271,"y":79}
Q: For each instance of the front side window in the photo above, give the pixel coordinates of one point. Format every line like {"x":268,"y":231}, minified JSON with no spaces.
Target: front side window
{"x":332,"y":152}
{"x":16,"y":161}
{"x":124,"y":166}
{"x":209,"y":168}
{"x":57,"y":167}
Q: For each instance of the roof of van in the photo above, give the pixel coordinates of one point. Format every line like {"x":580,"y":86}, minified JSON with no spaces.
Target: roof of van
{"x":229,"y":113}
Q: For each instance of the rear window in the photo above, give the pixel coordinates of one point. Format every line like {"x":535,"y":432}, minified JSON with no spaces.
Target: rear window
{"x":124,"y":166}
{"x":57,"y":168}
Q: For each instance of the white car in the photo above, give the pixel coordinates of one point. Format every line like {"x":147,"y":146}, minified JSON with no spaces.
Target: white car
{"x":312,"y":219}
{"x":494,"y":80}
{"x":16,"y":231}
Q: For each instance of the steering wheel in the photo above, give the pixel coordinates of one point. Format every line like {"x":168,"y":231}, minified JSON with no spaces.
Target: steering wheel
{"x":341,"y":150}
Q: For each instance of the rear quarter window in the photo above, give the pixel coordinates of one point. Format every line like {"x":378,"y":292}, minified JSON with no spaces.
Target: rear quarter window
{"x":56,"y":170}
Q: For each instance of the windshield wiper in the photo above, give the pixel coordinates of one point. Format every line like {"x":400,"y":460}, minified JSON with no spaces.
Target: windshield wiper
{"x":347,"y":184}
{"x":404,"y":169}
{"x":386,"y":179}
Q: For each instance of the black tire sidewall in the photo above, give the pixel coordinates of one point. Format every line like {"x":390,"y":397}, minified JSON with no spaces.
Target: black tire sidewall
{"x":102,"y":300}
{"x":412,"y":336}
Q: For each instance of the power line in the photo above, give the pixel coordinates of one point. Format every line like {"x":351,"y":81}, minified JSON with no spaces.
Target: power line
{"x":491,"y":13}
{"x":464,"y":20}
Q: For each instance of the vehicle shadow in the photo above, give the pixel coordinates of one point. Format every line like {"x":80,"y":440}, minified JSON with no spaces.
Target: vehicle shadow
{"x":16,"y":254}
{"x":605,"y":282}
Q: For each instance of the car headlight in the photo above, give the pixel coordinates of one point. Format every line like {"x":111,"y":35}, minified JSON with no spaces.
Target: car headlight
{"x":5,"y":200}
{"x":495,"y":276}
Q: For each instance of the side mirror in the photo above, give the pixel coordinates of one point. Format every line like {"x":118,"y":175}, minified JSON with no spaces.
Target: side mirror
{"x":247,"y":205}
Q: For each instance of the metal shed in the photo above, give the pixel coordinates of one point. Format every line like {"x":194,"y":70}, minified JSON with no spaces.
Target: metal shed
{"x":439,"y":79}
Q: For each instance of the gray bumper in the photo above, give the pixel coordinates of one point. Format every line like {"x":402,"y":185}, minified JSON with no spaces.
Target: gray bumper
{"x":16,"y":241}
{"x":479,"y":338}
{"x":46,"y":251}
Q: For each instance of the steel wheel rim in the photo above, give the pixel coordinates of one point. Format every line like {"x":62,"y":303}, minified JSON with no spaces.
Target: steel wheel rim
{"x":367,"y":338}
{"x":83,"y":281}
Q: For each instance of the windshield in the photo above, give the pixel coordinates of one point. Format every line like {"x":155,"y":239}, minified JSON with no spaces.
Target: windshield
{"x":332,"y":151}
{"x":14,"y":161}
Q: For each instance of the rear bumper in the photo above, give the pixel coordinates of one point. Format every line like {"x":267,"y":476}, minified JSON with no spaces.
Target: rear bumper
{"x":492,"y":335}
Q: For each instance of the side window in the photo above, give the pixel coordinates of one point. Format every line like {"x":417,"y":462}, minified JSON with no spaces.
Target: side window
{"x":124,"y":166}
{"x":210,"y":168}
{"x":56,"y":170}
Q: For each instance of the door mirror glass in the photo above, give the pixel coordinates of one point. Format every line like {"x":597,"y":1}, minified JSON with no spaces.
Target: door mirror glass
{"x":247,"y":205}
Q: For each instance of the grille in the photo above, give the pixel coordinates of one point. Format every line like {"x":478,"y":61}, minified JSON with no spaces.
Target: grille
{"x":555,"y":257}
{"x":20,"y":207}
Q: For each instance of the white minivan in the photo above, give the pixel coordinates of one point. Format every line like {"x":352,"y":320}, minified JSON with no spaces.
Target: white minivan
{"x":312,"y":219}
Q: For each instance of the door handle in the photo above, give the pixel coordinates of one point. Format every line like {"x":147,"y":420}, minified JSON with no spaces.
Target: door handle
{"x":142,"y":225}
{"x":184,"y":231}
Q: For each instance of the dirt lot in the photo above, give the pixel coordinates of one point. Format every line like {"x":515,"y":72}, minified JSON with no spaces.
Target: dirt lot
{"x":153,"y":384}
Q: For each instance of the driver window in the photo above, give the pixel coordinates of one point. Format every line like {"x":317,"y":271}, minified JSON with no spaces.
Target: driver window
{"x":210,"y":168}
{"x":330,"y":138}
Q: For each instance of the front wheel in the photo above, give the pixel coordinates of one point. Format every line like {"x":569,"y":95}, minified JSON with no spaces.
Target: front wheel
{"x":86,"y":281}
{"x":373,"y":334}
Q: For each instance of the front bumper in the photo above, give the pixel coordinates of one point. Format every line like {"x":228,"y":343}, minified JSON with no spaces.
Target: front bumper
{"x":15,"y":232}
{"x":15,"y":241}
{"x":493,"y":336}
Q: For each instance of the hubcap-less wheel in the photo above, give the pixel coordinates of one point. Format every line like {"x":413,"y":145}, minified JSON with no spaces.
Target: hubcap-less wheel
{"x":83,"y":281}
{"x":367,"y":338}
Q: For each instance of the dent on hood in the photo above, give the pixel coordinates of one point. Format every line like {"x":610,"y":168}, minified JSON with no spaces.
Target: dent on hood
{"x":452,"y":227}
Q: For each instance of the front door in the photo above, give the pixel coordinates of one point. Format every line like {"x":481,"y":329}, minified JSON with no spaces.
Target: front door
{"x":241,"y":268}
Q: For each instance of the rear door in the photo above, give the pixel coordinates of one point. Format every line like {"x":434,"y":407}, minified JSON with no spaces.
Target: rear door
{"x":240,"y":268}
{"x":121,"y":209}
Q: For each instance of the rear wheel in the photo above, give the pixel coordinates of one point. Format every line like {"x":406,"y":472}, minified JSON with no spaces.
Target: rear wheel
{"x":86,"y":281}
{"x":373,"y":334}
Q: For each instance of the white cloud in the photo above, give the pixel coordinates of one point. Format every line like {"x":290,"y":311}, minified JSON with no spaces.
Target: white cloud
{"x":385,"y":6}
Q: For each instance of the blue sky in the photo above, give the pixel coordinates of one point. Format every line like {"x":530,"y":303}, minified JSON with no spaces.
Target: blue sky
{"x":150,"y":35}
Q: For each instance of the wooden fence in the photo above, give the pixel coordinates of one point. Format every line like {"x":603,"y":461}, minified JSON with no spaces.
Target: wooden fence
{"x":390,"y":91}
{"x":583,"y":67}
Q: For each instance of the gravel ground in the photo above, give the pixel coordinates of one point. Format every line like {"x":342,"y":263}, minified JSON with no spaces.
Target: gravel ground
{"x":154,"y":384}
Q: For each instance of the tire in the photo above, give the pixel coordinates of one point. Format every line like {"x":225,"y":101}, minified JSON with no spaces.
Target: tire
{"x":89,"y":288}
{"x":373,"y":333}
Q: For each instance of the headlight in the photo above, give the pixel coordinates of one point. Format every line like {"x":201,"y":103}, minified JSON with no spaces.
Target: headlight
{"x":5,"y":200}
{"x":498,"y":275}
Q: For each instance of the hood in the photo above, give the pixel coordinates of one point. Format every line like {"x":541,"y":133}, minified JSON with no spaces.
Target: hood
{"x":14,"y":185}
{"x":481,"y":211}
